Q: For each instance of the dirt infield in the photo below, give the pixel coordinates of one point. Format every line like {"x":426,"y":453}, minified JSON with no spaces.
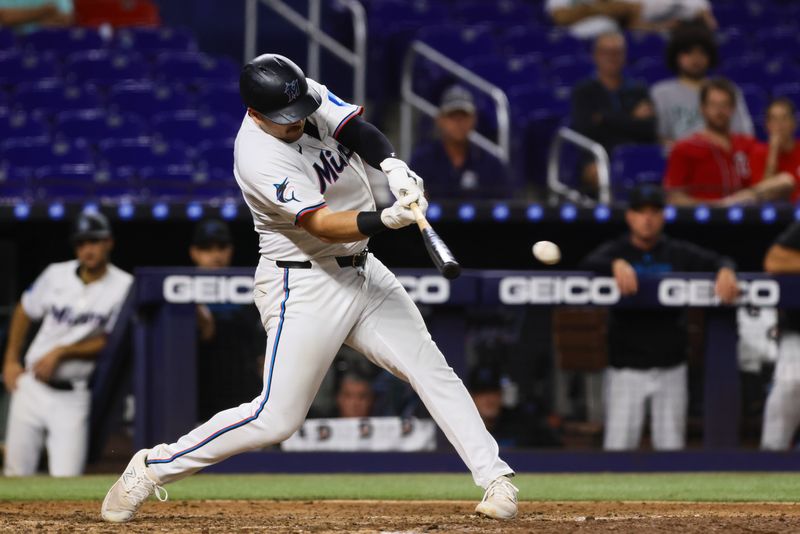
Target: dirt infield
{"x":395,"y":516}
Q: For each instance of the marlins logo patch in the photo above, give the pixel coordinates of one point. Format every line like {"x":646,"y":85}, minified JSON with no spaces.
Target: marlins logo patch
{"x":292,"y":90}
{"x":285,"y":192}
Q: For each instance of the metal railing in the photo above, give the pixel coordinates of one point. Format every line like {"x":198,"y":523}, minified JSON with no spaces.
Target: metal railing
{"x":311,"y":26}
{"x":558,"y":187}
{"x":411,"y":100}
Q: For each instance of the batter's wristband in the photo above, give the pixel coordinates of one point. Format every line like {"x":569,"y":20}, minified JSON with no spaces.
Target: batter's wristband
{"x":369,"y":223}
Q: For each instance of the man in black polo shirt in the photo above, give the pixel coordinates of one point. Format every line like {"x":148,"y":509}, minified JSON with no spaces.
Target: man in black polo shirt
{"x":647,"y":348}
{"x":782,"y":412}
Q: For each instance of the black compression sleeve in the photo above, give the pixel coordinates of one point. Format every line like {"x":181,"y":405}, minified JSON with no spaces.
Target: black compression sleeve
{"x":366,"y":140}
{"x":369,"y":223}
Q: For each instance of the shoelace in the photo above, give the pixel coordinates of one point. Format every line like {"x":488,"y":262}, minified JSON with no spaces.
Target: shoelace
{"x":141,"y":490}
{"x":504,"y":488}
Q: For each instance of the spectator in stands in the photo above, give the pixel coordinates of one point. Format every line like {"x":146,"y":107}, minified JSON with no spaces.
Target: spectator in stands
{"x":610,"y":108}
{"x":355,"y":396}
{"x":589,"y":18}
{"x":648,"y":348}
{"x":510,"y":427}
{"x":782,"y":154}
{"x":712,"y":165}
{"x":78,"y":303}
{"x":231,"y":340}
{"x":28,"y":15}
{"x":782,"y":411}
{"x":451,"y":166}
{"x":691,"y":52}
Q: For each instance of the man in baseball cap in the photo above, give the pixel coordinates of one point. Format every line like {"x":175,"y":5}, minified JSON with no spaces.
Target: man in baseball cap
{"x":647,"y":348}
{"x":77,"y":303}
{"x":231,"y":339}
{"x":452,"y":166}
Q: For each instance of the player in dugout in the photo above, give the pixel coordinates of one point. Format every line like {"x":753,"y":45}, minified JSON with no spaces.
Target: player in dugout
{"x":77,"y":302}
{"x":648,"y":348}
{"x":303,"y":158}
{"x":782,"y":410}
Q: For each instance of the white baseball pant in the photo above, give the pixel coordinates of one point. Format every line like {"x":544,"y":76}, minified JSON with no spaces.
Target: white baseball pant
{"x":627,"y":393}
{"x":308,"y":315}
{"x":782,"y":411}
{"x":42,"y":416}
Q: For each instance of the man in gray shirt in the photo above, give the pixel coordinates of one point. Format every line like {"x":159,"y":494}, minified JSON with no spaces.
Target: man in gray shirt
{"x":690,"y":54}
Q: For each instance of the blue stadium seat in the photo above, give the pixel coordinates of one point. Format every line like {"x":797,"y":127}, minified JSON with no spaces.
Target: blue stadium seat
{"x":508,"y":72}
{"x":630,"y":163}
{"x":778,"y":42}
{"x":7,"y":39}
{"x":43,"y":152}
{"x":789,"y":90}
{"x":16,"y":68}
{"x":753,"y":70}
{"x":115,"y":191}
{"x":64,"y":182}
{"x":190,"y":67}
{"x":141,"y":152}
{"x":523,"y":40}
{"x":216,"y":156}
{"x":220,"y":98}
{"x":458,"y":42}
{"x":568,"y":70}
{"x":105,"y":68}
{"x":216,"y":190}
{"x":155,"y":40}
{"x":64,"y":40}
{"x":49,"y":96}
{"x":641,"y":45}
{"x":146,"y":98}
{"x":733,"y":43}
{"x":651,"y":70}
{"x":193,"y":128}
{"x":523,"y":99}
{"x":167,"y":181}
{"x":501,"y":13}
{"x":756,"y":99}
{"x":94,"y":125}
{"x":16,"y":124}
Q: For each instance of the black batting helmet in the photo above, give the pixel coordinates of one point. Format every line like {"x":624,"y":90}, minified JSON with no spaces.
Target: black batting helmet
{"x":276,"y":87}
{"x":90,"y":225}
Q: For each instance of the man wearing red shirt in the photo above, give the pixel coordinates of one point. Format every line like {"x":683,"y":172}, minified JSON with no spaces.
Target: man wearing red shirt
{"x":782,"y":154}
{"x":712,"y":166}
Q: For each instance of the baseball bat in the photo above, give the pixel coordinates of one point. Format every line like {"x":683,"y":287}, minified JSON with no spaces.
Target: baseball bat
{"x":437,"y":249}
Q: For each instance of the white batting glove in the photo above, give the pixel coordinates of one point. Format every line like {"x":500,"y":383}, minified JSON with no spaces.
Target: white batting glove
{"x":399,"y":215}
{"x":401,"y":178}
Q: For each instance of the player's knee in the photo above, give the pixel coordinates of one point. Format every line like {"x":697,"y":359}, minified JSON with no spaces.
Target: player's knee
{"x":278,"y":428}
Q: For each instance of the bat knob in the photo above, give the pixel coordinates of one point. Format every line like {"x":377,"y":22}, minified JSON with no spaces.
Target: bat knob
{"x":451,"y":270}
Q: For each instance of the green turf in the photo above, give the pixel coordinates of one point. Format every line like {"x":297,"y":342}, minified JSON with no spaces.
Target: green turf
{"x":627,"y":487}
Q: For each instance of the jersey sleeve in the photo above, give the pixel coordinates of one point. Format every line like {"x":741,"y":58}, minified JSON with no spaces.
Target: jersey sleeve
{"x":34,"y":299}
{"x":333,"y":113}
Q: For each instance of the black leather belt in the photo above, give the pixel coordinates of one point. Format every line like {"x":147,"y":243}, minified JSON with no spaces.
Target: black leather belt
{"x":356,"y":260}
{"x":61,"y":385}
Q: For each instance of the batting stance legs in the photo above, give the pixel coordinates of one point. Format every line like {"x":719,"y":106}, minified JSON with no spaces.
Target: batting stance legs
{"x":782,"y":411}
{"x":308,"y":314}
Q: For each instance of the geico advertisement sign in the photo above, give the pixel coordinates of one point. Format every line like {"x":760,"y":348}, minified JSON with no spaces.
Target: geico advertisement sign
{"x":603,"y":291}
{"x":184,"y":289}
{"x":426,"y":289}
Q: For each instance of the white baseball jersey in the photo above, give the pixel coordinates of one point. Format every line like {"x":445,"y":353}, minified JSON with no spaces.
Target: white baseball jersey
{"x":281,"y":182}
{"x":72,"y":311}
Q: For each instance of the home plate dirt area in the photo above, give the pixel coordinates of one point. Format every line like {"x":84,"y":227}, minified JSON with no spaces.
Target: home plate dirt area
{"x":403,"y":516}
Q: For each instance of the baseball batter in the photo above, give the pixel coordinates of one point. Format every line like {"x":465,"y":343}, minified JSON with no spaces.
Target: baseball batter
{"x":77,"y":302}
{"x":302,"y":159}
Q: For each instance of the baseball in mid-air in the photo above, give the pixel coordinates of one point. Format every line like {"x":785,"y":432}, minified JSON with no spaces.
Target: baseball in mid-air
{"x":547,"y":252}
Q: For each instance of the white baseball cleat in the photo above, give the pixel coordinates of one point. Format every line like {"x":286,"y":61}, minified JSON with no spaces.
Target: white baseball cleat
{"x":500,"y":499}
{"x":130,"y":491}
